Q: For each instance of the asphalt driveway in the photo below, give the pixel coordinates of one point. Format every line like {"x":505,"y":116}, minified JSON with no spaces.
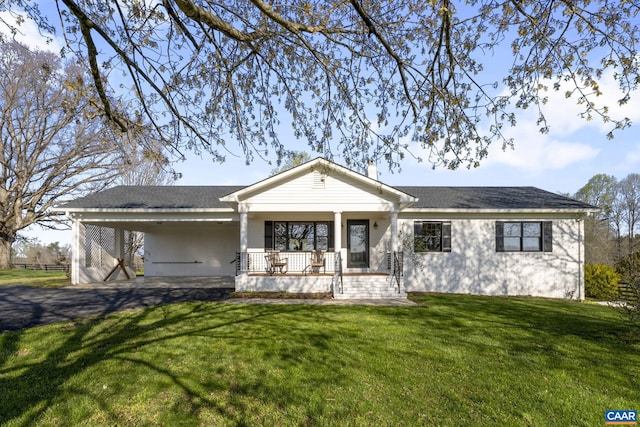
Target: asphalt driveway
{"x":23,"y":306}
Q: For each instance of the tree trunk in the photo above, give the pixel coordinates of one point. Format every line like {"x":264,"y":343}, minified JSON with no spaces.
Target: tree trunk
{"x":5,"y":253}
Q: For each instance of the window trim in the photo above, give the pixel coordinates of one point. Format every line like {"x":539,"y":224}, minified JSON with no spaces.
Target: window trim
{"x":545,"y":238}
{"x":445,"y":236}
{"x":270,"y":234}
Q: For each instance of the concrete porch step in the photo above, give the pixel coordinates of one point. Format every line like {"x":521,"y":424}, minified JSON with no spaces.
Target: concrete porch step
{"x":363,"y":280}
{"x":379,"y":286}
{"x":369,"y":291}
{"x":370,"y":295}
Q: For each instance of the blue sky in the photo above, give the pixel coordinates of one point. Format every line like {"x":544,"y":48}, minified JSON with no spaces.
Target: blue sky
{"x":562,"y":160}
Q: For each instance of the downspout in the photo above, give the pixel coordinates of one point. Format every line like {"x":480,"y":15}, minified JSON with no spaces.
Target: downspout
{"x":244,"y":239}
{"x":580,"y":261}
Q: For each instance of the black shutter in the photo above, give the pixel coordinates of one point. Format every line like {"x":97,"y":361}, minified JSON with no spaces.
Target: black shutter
{"x":499,"y":236}
{"x":547,"y":236}
{"x":446,"y":236}
{"x":417,"y":229}
{"x":417,"y":237}
{"x":268,"y":234}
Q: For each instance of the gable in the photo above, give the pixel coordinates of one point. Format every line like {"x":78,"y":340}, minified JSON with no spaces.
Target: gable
{"x":319,"y":185}
{"x":327,"y":190}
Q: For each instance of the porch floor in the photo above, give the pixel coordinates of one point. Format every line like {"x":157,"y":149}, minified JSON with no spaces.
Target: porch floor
{"x":296,"y":274}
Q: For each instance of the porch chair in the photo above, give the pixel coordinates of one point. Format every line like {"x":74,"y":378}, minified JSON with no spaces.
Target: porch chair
{"x":317,"y":262}
{"x":276,"y":264}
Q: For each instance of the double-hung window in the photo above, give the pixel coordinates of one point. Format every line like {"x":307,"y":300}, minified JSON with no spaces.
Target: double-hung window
{"x":524,"y":236}
{"x":432,"y":236}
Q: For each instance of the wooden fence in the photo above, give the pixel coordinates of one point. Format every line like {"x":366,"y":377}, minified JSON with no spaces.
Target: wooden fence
{"x":628,"y":292}
{"x":44,"y":267}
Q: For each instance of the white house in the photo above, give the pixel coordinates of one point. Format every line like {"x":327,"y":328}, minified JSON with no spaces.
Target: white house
{"x":367,"y":238}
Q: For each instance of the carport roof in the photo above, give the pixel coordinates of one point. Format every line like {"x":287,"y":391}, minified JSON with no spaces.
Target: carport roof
{"x":446,"y":198}
{"x":155,"y":197}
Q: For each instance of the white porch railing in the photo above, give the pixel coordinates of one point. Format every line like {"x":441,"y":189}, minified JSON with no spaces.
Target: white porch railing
{"x":297,"y":262}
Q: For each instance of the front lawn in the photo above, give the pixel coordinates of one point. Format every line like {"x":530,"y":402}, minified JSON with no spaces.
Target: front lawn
{"x":40,"y":278}
{"x":455,"y":360}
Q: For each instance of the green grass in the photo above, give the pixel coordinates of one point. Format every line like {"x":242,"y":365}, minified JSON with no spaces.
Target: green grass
{"x":39,"y":278}
{"x":455,"y":360}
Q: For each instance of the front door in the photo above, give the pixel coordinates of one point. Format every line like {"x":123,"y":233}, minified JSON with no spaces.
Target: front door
{"x":358,"y":243}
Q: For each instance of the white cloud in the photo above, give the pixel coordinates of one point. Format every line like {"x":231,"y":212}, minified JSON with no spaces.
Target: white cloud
{"x":563,"y":114}
{"x":540,"y":154}
{"x":536,"y":152}
{"x":533,"y":151}
{"x":561,"y":147}
{"x":28,"y":32}
{"x":631,"y":159}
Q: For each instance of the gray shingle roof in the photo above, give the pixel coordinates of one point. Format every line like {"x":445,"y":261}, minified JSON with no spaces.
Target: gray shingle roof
{"x":490,"y":198}
{"x":207,"y":197}
{"x":155,"y":197}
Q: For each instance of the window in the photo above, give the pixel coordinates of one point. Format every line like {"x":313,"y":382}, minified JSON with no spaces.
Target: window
{"x":301,"y":237}
{"x":298,"y":235}
{"x":524,"y":236}
{"x":432,"y":236}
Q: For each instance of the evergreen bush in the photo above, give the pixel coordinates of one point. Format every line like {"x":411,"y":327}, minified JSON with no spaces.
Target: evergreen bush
{"x":601,"y":281}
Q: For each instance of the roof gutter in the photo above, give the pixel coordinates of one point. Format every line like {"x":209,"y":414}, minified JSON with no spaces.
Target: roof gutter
{"x":500,"y":211}
{"x":148,"y":210}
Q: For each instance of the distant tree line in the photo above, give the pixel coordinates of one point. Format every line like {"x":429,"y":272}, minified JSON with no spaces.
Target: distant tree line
{"x":612,"y":242}
{"x":32,"y":251}
{"x":612,"y":233}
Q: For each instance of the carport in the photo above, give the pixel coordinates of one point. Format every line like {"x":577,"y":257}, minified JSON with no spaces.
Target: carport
{"x":187,"y":232}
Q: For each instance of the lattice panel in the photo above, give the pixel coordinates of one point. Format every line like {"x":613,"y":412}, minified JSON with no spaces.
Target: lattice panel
{"x":99,"y":245}
{"x":103,"y":246}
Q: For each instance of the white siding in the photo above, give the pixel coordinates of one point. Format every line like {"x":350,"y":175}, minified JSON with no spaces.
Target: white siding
{"x":302,"y":194}
{"x":474,"y":267}
{"x":171,"y":249}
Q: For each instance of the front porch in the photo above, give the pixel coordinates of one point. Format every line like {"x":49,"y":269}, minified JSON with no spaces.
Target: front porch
{"x":267,"y":233}
{"x":254,"y":273}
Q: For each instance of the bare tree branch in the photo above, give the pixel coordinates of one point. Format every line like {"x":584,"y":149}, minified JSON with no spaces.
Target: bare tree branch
{"x":356,"y":79}
{"x":55,"y":143}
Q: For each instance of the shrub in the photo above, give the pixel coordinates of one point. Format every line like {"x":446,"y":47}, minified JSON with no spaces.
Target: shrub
{"x":601,"y":281}
{"x":629,"y":270}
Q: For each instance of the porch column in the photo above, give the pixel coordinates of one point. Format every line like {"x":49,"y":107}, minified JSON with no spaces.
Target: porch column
{"x":118,"y":234}
{"x":77,"y":250}
{"x":244,"y":225}
{"x":394,"y":231}
{"x":580,"y":225}
{"x":337,"y":231}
